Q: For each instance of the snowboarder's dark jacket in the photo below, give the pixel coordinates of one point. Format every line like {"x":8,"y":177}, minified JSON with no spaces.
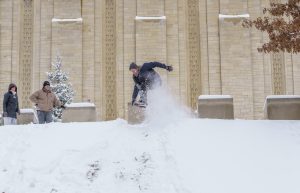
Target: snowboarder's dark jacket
{"x":147,"y":78}
{"x":11,"y":103}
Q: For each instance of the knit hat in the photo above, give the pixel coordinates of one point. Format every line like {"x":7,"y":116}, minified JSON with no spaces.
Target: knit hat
{"x":46,"y":83}
{"x":133,"y":66}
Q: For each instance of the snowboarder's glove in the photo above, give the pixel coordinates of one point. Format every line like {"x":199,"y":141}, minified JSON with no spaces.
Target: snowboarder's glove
{"x":63,"y":106}
{"x":18,"y":112}
{"x":4,"y":114}
{"x":169,"y":68}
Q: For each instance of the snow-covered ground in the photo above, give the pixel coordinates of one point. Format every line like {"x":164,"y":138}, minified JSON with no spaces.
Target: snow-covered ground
{"x":170,"y":153}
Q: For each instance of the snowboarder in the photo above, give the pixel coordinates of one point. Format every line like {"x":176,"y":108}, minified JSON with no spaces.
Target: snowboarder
{"x":44,"y":101}
{"x":145,"y":78}
{"x":11,"y":105}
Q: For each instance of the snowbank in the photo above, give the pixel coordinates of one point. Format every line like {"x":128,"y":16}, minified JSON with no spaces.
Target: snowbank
{"x":190,"y":155}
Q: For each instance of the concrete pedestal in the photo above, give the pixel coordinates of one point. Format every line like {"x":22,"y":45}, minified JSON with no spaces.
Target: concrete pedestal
{"x":1,"y":120}
{"x":136,"y":114}
{"x":282,"y":107}
{"x":215,"y":107}
{"x":79,"y":112}
{"x":26,"y":116}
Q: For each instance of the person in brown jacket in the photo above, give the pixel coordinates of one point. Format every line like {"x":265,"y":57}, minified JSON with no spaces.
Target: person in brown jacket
{"x":45,"y":100}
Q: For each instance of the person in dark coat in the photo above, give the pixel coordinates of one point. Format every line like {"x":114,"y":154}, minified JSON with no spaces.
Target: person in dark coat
{"x":11,"y":105}
{"x":145,"y":78}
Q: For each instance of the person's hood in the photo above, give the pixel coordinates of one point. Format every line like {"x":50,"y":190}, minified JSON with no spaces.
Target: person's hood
{"x":12,"y":85}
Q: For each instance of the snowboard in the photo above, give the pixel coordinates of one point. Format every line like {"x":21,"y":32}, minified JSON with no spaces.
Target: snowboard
{"x":140,"y":105}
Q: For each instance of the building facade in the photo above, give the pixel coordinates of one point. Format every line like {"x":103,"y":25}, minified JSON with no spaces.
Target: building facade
{"x":203,"y":40}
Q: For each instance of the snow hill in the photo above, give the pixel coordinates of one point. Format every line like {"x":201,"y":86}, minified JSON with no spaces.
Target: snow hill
{"x":171,"y":152}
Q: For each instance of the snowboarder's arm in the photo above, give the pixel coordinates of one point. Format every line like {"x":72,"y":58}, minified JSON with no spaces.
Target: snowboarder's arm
{"x":34,"y":97}
{"x":150,"y":65}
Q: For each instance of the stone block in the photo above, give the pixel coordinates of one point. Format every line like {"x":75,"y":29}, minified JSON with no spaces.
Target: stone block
{"x":282,"y":107}
{"x":215,"y":107}
{"x":26,"y":116}
{"x":79,"y":112}
{"x":1,"y":120}
{"x":136,"y":114}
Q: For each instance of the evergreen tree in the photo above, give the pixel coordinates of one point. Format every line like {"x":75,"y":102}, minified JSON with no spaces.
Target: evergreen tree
{"x":60,"y":86}
{"x":282,"y":23}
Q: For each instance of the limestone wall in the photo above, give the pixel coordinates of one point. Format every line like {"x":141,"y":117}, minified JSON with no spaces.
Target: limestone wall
{"x":209,"y":55}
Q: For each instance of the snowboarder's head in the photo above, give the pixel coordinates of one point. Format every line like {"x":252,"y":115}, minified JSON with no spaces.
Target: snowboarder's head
{"x":134,"y":68}
{"x":46,"y":85}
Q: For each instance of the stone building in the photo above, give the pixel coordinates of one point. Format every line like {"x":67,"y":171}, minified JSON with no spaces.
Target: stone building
{"x":97,"y":40}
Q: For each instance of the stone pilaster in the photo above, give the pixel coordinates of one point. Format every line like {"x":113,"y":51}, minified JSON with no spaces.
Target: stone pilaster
{"x":109,"y":63}
{"x":99,"y":6}
{"x":15,"y":41}
{"x":266,"y":58}
{"x":130,"y":10}
{"x":45,"y":38}
{"x":121,"y":66}
{"x":214,"y":71}
{"x":88,"y":50}
{"x":278,"y":73}
{"x":277,"y":69}
{"x":204,"y":47}
{"x":26,"y":53}
{"x":288,"y":76}
{"x":37,"y":12}
{"x":257,"y":62}
{"x":194,"y":62}
{"x":183,"y":50}
{"x":6,"y":25}
{"x":172,"y":43}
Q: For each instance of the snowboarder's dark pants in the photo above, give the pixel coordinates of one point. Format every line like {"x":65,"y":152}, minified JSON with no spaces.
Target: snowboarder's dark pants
{"x":143,"y":92}
{"x":143,"y":96}
{"x":44,"y":116}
